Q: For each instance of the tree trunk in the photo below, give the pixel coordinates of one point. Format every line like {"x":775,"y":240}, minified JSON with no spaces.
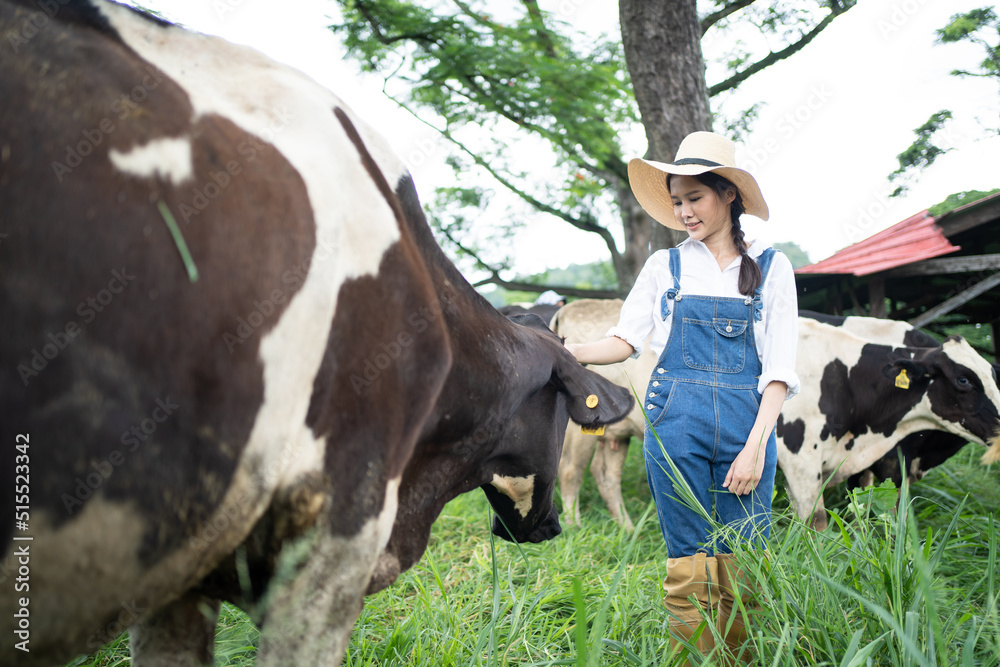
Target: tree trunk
{"x":638,"y":227}
{"x":662,"y":40}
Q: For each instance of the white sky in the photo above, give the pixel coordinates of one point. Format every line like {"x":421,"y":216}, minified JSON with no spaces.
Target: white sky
{"x":836,"y":115}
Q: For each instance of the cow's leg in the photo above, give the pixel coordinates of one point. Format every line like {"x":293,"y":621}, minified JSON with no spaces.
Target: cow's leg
{"x":316,"y":595}
{"x":606,"y":467}
{"x":820,"y":519}
{"x":577,"y":452}
{"x":804,"y":479}
{"x":182,"y":634}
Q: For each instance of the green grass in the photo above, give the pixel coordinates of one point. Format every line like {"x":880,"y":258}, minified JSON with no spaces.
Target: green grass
{"x":914,"y":586}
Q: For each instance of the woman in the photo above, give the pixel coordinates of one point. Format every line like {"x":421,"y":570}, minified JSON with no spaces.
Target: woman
{"x":721,"y":313}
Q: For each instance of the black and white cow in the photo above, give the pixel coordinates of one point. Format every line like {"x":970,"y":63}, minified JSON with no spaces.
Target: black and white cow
{"x":859,"y":399}
{"x":234,"y":365}
{"x":918,"y":452}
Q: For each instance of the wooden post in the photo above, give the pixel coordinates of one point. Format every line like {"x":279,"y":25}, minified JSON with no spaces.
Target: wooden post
{"x":876,"y":296}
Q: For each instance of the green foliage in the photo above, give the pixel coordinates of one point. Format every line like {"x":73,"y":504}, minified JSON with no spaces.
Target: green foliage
{"x":972,"y":27}
{"x":596,"y":275}
{"x":958,"y":199}
{"x":498,"y":85}
{"x":884,"y":585}
{"x":964,"y":26}
{"x":739,"y":127}
{"x":796,"y":255}
{"x":922,"y":152}
{"x":539,"y":109}
{"x":981,"y":27}
{"x":977,"y":335}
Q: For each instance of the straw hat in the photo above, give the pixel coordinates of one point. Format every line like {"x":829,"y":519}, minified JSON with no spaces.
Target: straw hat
{"x":698,"y":153}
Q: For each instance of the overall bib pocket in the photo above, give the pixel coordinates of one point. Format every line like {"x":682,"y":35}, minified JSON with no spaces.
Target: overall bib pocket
{"x":717,"y":345}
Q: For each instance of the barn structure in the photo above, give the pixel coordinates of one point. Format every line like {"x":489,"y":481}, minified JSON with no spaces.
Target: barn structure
{"x":931,"y":271}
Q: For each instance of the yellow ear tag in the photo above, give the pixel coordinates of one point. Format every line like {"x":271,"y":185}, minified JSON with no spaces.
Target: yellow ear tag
{"x":592,"y":401}
{"x":903,"y":380}
{"x":592,"y":430}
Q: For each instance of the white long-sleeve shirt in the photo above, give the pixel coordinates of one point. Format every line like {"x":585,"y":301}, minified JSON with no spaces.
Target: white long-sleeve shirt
{"x":776,"y":334}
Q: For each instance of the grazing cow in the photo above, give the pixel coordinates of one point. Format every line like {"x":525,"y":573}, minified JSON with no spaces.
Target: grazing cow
{"x":583,"y":321}
{"x":919,"y":451}
{"x":848,"y":408}
{"x":234,"y":365}
{"x":860,"y":398}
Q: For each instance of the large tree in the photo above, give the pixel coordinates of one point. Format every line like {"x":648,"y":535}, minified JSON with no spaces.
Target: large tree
{"x":502,"y":81}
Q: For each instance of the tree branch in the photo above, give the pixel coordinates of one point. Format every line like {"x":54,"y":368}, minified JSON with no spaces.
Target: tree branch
{"x":381,"y":36}
{"x":495,"y":278}
{"x":583,"y":225}
{"x":717,"y":16}
{"x":540,"y":31}
{"x":488,"y":102}
{"x":562,"y":289}
{"x":478,"y":18}
{"x":773,"y":57}
{"x":470,"y":252}
{"x":962,"y":72}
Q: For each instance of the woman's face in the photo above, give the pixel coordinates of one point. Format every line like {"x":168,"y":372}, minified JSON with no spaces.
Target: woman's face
{"x":700,"y":209}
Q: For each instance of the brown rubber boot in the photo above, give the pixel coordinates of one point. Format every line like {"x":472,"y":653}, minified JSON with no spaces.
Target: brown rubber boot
{"x":695,"y":576}
{"x":733,"y":583}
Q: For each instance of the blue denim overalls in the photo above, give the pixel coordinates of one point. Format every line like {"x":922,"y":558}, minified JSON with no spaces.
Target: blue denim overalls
{"x":702,"y":400}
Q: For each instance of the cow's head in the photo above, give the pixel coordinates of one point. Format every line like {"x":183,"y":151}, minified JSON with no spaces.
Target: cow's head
{"x":523,"y":466}
{"x":500,"y":426}
{"x":960,"y":385}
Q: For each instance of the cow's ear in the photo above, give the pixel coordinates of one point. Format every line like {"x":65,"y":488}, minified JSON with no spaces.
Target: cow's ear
{"x":592,"y":399}
{"x":904,"y":371}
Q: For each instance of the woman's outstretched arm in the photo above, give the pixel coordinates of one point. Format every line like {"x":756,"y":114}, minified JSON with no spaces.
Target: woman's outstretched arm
{"x":609,"y":350}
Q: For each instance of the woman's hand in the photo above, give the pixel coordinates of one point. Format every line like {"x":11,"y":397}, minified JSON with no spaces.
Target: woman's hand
{"x":745,"y":472}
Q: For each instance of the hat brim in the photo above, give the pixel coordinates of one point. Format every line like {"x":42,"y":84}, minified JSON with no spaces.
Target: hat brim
{"x":648,"y":180}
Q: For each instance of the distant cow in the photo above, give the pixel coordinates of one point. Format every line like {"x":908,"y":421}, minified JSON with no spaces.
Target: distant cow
{"x":544,"y":311}
{"x":922,"y":450}
{"x":584,"y":321}
{"x":859,"y":399}
{"x":849,"y":408}
{"x":234,"y":365}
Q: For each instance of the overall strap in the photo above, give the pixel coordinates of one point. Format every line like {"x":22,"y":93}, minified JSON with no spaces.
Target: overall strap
{"x":764,"y":261}
{"x":673,"y":292}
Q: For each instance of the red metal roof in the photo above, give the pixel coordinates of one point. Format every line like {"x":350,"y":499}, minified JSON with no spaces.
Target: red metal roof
{"x":912,"y":240}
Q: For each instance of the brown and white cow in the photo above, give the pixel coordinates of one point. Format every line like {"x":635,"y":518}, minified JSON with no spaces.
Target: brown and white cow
{"x":859,"y":399}
{"x":234,"y":365}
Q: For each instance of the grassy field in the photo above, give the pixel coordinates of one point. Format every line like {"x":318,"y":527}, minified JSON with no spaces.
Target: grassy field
{"x":917,"y":586}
